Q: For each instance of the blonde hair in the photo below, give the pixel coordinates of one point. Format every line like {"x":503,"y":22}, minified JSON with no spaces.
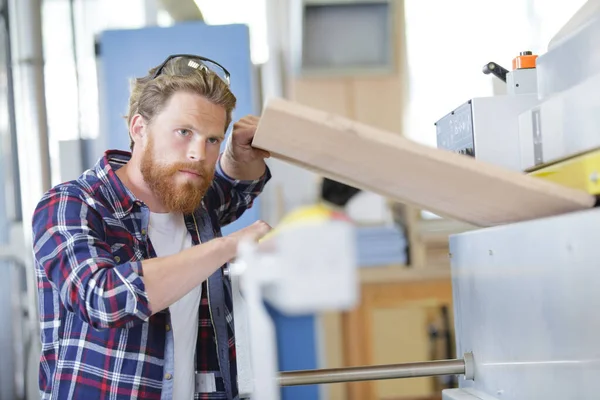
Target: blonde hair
{"x":149,"y":96}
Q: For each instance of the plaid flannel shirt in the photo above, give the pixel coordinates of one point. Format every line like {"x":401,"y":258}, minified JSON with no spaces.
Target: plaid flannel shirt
{"x":98,"y":338}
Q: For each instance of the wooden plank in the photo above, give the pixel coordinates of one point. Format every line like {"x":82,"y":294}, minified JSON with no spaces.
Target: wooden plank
{"x":448,"y":184}
{"x":399,"y":274}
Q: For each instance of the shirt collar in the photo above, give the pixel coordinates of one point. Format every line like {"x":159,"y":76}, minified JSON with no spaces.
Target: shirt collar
{"x":106,"y":169}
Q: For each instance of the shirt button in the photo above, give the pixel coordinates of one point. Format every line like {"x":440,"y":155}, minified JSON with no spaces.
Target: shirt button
{"x":117,"y":258}
{"x":168,"y":377}
{"x":168,"y":327}
{"x":144,"y":232}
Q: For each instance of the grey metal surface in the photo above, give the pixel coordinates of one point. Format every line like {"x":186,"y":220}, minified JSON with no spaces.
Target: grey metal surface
{"x":567,"y":119}
{"x":572,"y":61}
{"x":9,"y":134}
{"x":30,"y":102}
{"x":490,"y":132}
{"x":455,"y":130}
{"x":32,"y":145}
{"x":376,"y":372}
{"x":461,"y":394}
{"x":7,"y":360}
{"x":568,"y":123}
{"x":526,"y":304}
{"x":522,"y":81}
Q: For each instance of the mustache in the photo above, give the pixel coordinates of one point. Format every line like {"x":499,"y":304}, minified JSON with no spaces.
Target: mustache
{"x":193,"y":167}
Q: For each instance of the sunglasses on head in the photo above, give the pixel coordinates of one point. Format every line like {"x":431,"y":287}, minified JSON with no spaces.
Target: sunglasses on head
{"x":197,"y":62}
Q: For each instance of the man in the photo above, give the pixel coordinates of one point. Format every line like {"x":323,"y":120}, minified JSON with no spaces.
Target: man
{"x":134,"y":303}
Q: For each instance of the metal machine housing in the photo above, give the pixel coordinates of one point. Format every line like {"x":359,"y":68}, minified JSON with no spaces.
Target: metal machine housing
{"x":525,"y":298}
{"x":486,"y":128}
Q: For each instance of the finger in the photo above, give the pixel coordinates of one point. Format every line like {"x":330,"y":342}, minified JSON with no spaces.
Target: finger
{"x":263,"y":153}
{"x":261,"y":228}
{"x":243,"y":137}
{"x":262,"y":224}
{"x":255,"y":231}
{"x":249,"y":119}
{"x":246,"y":127}
{"x":240,"y":125}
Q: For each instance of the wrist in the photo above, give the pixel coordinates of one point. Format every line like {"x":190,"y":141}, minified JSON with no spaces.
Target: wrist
{"x":241,"y":170}
{"x":229,"y":246}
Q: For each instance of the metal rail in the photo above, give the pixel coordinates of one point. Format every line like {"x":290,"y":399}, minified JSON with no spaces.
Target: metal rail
{"x":376,"y":372}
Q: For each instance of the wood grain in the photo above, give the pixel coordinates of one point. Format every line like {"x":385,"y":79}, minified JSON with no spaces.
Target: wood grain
{"x":448,"y":184}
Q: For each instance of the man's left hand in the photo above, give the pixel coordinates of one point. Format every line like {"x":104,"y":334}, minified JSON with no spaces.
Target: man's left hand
{"x":241,"y":160}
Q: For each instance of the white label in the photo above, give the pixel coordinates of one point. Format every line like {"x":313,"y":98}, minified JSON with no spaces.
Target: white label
{"x":205,"y":383}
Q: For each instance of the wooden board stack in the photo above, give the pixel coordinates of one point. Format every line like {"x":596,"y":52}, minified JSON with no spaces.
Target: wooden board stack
{"x":448,"y":184}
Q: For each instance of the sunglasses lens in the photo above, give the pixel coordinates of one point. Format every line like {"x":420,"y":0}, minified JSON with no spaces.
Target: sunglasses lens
{"x":203,"y":65}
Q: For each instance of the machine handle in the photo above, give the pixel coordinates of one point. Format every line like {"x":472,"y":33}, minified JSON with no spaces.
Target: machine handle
{"x":497,"y":70}
{"x":380,"y":372}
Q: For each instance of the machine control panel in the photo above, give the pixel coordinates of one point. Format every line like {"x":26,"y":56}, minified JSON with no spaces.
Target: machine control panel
{"x":455,"y":131}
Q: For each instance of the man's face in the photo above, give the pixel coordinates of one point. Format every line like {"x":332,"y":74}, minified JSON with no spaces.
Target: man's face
{"x":181,"y":150}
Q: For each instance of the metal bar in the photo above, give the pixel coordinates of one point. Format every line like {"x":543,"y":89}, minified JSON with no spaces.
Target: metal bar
{"x":8,"y":254}
{"x":376,"y":372}
{"x":31,"y":126}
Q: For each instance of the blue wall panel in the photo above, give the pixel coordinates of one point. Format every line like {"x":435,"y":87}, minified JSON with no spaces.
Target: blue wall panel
{"x":297,"y":347}
{"x":125,"y":54}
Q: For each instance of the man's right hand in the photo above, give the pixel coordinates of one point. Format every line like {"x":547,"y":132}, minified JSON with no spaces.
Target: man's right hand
{"x":253,"y":232}
{"x":169,"y":278}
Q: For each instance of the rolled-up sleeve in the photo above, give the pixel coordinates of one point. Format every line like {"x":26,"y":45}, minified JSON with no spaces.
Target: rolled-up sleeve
{"x":229,"y":197}
{"x":70,"y":251}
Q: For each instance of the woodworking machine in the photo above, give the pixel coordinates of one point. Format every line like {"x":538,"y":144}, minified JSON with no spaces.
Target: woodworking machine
{"x":548,"y":124}
{"x":525,"y":295}
{"x":487,"y":128}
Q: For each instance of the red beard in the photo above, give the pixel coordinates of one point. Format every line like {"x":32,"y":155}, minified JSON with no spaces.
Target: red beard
{"x":179,"y":197}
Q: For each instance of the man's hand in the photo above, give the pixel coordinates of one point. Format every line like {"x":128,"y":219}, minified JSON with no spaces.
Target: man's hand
{"x":168,"y":279}
{"x":240,"y":160}
{"x":253,"y":232}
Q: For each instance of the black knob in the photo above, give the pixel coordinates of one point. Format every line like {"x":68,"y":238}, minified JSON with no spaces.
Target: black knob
{"x":496,"y":70}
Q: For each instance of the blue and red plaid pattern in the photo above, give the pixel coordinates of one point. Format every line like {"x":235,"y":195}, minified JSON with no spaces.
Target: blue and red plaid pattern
{"x":89,"y":239}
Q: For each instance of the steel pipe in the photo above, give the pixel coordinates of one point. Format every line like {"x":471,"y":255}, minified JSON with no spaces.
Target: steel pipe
{"x":376,"y":372}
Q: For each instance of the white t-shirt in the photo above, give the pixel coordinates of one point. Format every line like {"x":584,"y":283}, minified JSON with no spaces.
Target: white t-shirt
{"x":169,"y":235}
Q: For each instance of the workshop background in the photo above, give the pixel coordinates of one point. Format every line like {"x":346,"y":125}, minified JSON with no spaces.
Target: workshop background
{"x":399,"y":65}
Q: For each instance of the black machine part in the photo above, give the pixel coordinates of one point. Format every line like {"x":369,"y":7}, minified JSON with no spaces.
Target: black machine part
{"x":336,"y":192}
{"x":497,"y":70}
